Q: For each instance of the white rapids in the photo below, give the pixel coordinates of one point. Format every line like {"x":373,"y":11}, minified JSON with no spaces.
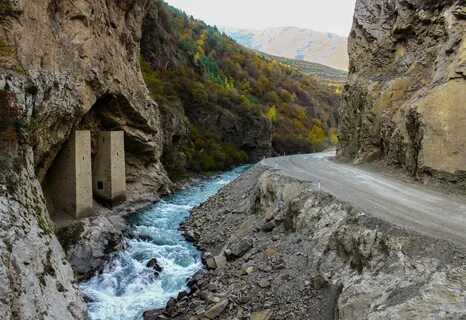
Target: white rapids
{"x":127,"y":287}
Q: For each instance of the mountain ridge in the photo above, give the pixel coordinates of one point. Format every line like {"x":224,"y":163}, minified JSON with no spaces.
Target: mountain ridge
{"x":296,"y":43}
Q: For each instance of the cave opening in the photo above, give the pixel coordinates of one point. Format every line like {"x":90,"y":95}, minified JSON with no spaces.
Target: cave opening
{"x":90,"y":169}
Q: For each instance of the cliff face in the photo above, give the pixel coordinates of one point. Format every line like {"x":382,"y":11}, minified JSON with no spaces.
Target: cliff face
{"x":68,"y":64}
{"x":81,"y":60}
{"x":405,"y":101}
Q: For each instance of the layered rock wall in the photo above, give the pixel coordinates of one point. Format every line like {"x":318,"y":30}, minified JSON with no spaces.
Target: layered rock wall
{"x":405,"y":101}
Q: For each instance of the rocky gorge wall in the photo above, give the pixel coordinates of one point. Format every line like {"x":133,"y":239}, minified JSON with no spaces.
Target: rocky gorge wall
{"x":405,"y":101}
{"x":282,"y":250}
{"x":69,"y":65}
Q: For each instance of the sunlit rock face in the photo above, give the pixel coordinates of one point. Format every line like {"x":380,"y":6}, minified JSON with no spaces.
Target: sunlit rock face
{"x":71,"y":65}
{"x":405,"y":101}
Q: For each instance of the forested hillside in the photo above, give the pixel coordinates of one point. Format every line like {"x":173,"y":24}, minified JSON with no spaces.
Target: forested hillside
{"x":223,"y":104}
{"x":331,"y":77}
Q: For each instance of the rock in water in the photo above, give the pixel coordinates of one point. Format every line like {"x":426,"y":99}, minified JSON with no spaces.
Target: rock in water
{"x":154,"y":264}
{"x":405,"y":100}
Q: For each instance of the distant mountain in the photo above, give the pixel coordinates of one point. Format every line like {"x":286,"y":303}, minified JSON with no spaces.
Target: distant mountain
{"x":295,"y":43}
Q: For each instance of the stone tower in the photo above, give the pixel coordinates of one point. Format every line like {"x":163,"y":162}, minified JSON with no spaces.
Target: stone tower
{"x":69,"y":182}
{"x":108,"y":169}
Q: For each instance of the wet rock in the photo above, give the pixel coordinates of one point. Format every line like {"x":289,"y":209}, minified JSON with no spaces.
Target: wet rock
{"x":171,"y":302}
{"x":88,"y":241}
{"x":181,"y":295}
{"x":153,"y":314}
{"x":154,"y":264}
{"x":144,"y":238}
{"x":191,"y":235}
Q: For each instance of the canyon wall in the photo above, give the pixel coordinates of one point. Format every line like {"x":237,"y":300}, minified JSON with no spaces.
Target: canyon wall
{"x":68,"y":65}
{"x":405,"y":101}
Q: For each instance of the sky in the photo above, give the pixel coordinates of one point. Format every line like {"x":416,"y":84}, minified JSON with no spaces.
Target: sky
{"x":333,"y":16}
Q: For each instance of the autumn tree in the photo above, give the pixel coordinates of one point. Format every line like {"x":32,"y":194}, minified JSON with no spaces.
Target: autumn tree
{"x":272,"y":114}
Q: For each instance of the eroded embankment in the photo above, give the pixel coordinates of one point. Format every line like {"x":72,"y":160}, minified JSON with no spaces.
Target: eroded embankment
{"x":296,"y":253}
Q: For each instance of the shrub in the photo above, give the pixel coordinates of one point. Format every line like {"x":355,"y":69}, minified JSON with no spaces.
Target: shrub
{"x":10,"y":117}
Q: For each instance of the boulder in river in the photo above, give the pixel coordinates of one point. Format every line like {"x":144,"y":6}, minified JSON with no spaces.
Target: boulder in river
{"x":154,"y":264}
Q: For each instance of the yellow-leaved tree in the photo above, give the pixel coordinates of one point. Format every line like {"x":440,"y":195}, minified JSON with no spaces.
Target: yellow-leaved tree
{"x":317,"y":136}
{"x":332,"y":136}
{"x":272,"y":114}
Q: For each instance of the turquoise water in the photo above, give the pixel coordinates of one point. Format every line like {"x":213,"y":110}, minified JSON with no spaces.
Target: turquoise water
{"x":126,"y":287}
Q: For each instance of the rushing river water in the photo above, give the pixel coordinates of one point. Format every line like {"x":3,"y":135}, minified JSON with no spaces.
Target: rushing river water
{"x":127,"y":288}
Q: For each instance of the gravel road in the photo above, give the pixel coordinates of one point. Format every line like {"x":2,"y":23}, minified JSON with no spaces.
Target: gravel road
{"x":404,"y":204}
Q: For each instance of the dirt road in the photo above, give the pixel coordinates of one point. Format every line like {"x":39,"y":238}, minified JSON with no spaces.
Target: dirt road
{"x":409,"y":205}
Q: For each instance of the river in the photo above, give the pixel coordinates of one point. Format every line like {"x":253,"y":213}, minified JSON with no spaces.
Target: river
{"x":127,"y":287}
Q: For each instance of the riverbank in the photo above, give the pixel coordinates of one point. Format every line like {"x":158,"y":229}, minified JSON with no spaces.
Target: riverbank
{"x":155,"y":259}
{"x":89,"y":242}
{"x":279,"y":249}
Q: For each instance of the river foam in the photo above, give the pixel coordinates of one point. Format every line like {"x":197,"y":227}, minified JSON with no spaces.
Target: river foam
{"x":127,"y":287}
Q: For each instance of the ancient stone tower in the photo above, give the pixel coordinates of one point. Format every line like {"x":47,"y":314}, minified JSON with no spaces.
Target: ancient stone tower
{"x":108,"y":169}
{"x":69,"y":181}
{"x":75,"y":178}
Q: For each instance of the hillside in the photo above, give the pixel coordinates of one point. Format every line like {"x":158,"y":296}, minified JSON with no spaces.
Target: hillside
{"x":324,"y":74}
{"x":295,"y":43}
{"x":228,"y":97}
